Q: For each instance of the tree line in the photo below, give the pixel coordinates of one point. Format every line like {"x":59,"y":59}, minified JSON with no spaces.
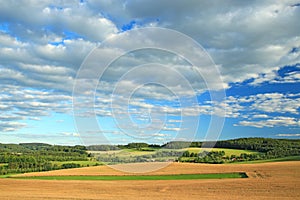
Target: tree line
{"x":268,"y":149}
{"x":32,"y":157}
{"x":218,"y":157}
{"x":29,"y":157}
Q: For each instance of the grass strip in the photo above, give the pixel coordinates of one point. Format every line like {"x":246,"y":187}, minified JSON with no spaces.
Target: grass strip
{"x":141,"y":177}
{"x":284,"y":159}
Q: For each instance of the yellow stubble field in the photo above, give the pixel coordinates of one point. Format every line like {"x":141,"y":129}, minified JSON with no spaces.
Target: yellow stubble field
{"x":276,"y":180}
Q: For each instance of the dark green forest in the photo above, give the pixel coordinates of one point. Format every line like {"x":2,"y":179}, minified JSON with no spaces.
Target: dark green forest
{"x":268,"y":149}
{"x":30,"y":157}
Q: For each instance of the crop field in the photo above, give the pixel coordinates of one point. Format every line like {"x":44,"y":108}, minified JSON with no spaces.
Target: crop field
{"x":273,"y":180}
{"x":228,"y":152}
{"x":133,"y":152}
{"x":134,"y":155}
{"x":141,"y":177}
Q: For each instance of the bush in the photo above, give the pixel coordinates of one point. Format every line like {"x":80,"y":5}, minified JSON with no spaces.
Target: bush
{"x":70,"y":165}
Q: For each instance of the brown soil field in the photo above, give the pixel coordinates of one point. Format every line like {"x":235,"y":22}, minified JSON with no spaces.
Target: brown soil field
{"x":277,"y":180}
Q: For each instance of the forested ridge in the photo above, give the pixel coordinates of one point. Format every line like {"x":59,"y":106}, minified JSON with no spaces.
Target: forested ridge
{"x":269,"y":149}
{"x":265,"y":148}
{"x":29,"y":157}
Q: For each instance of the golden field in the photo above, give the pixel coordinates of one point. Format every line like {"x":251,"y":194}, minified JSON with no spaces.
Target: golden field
{"x":276,"y":180}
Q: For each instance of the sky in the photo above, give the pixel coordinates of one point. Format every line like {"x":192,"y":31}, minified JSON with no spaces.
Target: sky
{"x":114,"y":72}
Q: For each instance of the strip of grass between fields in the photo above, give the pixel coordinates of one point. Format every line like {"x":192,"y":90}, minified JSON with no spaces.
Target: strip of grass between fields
{"x":142,"y":177}
{"x":289,"y":158}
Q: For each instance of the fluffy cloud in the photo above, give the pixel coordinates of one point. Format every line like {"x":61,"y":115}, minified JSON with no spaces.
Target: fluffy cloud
{"x":42,"y":45}
{"x":288,"y":135}
{"x":274,"y":78}
{"x":265,"y":110}
{"x":40,"y":21}
{"x":8,"y":126}
{"x":246,"y":38}
{"x":275,"y":102}
{"x":276,"y":121}
{"x":19,"y":104}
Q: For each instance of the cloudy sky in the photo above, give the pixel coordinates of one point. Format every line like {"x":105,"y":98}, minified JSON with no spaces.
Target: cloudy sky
{"x":56,"y":87}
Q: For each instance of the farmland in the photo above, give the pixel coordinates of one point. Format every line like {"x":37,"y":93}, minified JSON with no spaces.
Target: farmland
{"x":134,"y":152}
{"x":161,"y":155}
{"x":228,"y":152}
{"x":274,"y":180}
{"x":141,"y":177}
{"x":36,"y":157}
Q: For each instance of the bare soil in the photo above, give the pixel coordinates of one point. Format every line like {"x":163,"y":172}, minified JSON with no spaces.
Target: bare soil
{"x":277,"y":180}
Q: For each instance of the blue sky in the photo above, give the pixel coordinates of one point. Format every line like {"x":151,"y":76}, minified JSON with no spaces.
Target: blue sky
{"x":254,"y":47}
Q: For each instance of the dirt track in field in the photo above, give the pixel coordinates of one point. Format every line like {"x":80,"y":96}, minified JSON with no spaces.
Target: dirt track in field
{"x":266,"y":181}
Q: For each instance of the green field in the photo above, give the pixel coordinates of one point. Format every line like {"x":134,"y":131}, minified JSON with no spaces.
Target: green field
{"x":228,"y":152}
{"x":123,"y":152}
{"x":141,"y":177}
{"x":131,"y":155}
{"x":289,"y":158}
{"x":135,"y":152}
